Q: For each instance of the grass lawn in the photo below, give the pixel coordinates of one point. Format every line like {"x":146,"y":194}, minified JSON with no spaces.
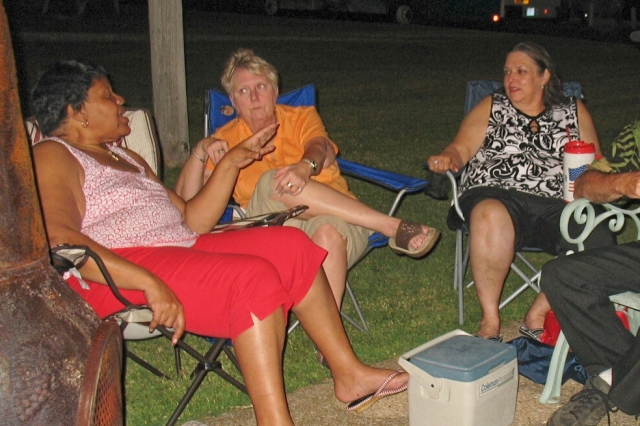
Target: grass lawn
{"x":390,"y":96}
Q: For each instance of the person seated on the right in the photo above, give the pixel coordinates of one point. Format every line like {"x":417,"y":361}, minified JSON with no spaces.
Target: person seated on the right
{"x":578,"y":288}
{"x":511,"y":191}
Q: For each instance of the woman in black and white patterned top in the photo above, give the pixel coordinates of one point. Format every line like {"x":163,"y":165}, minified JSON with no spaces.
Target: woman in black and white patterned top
{"x":511,"y":192}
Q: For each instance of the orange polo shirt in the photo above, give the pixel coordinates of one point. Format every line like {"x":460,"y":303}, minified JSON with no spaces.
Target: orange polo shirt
{"x":297,"y":126}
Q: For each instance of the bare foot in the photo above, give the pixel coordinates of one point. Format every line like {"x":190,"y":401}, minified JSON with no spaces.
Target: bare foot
{"x":364,"y":381}
{"x":488,"y":329}
{"x":533,"y":322}
{"x":537,"y":313}
{"x":413,"y":239}
{"x":419,"y":240}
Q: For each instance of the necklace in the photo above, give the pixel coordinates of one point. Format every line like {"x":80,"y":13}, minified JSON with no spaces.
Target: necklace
{"x":105,"y":150}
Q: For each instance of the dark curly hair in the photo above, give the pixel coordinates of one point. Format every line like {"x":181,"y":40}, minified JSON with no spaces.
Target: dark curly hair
{"x":63,"y":83}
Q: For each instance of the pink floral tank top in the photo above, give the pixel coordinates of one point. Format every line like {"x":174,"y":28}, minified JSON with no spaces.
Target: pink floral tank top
{"x":125,"y":209}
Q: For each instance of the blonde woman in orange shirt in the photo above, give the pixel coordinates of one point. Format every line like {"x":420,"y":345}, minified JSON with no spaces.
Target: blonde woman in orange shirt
{"x":301,"y":170}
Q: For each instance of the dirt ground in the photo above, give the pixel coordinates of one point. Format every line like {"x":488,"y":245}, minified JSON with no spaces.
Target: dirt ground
{"x":316,"y":406}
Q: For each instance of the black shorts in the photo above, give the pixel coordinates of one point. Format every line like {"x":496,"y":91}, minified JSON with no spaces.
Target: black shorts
{"x":536,"y":219}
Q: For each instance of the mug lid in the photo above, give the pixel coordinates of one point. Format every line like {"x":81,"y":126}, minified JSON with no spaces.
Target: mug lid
{"x":579,"y":147}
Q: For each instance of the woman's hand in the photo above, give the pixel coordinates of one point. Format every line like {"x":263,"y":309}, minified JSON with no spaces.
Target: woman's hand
{"x":292,"y":179}
{"x":442,"y":163}
{"x":254,"y":147}
{"x":214,"y":148}
{"x":167,"y":309}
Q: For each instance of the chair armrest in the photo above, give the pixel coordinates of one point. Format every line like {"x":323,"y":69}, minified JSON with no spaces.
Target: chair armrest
{"x":453,"y":179}
{"x":584,"y":213}
{"x":439,"y":180}
{"x":393,"y":181}
{"x":66,"y":256}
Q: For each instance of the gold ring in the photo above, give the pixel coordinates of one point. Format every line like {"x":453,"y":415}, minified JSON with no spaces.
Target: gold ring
{"x":289,"y":184}
{"x":221,"y":150}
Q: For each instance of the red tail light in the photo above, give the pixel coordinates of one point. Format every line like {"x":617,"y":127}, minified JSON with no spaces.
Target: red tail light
{"x":495,"y":18}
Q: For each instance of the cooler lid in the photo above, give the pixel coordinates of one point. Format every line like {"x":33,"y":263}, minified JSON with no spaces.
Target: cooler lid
{"x":463,"y":358}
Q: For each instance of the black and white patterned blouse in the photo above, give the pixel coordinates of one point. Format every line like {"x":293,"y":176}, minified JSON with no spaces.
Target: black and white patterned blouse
{"x":522,"y":152}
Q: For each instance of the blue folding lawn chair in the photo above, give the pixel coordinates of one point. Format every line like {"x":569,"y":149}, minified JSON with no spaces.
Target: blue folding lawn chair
{"x":219,"y":111}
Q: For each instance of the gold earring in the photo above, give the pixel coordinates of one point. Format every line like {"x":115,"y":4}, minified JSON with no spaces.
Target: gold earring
{"x":84,"y":124}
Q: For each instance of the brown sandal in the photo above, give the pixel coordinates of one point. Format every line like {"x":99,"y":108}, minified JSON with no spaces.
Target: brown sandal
{"x":406,"y":231}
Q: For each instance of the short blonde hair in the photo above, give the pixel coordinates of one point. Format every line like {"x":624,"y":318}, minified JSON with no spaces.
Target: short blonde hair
{"x":246,"y":59}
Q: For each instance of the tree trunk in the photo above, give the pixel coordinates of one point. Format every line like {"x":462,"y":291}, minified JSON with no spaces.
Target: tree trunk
{"x":168,"y":75}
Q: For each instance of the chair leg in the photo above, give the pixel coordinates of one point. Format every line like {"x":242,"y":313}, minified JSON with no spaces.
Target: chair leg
{"x":206,"y":364}
{"x":362,"y":325}
{"x":293,"y":327}
{"x":458,"y":274}
{"x":144,"y":364}
{"x":178,"y":358}
{"x":530,"y":265}
{"x":460,"y":269}
{"x":528,"y":282}
{"x":552,"y":387}
{"x":232,"y":357}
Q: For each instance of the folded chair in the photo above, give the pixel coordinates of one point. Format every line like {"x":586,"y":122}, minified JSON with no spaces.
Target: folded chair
{"x":219,"y":111}
{"x":584,"y":213}
{"x":134,"y":320}
{"x":527,"y":271}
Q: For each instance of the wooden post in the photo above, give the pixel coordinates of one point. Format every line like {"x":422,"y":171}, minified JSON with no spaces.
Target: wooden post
{"x":169,"y":82}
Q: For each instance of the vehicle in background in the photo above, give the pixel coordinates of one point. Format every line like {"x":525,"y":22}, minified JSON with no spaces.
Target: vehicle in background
{"x":485,"y":11}
{"x":460,"y":11}
{"x":545,"y":9}
{"x":406,"y":11}
{"x":401,"y":10}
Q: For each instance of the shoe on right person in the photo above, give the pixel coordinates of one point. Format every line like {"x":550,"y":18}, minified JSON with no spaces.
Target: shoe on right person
{"x":587,"y":407}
